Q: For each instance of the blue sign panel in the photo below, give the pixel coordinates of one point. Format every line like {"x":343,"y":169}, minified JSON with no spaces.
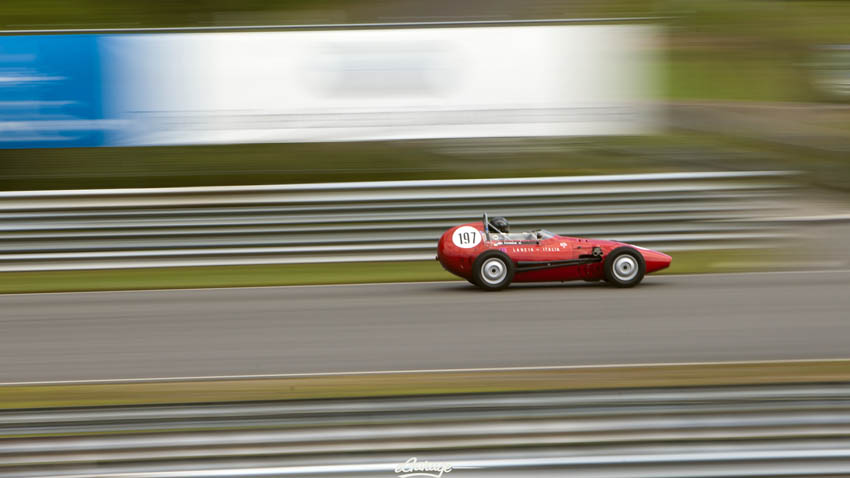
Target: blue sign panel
{"x":50,"y":92}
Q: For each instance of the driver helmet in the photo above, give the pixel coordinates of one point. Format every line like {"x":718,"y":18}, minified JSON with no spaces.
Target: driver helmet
{"x":501,"y":224}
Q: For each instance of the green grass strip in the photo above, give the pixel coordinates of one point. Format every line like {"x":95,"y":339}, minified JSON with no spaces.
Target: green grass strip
{"x":423,"y":383}
{"x":306,"y":274}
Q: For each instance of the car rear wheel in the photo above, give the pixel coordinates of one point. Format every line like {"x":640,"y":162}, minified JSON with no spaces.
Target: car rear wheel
{"x":493,"y":270}
{"x":624,"y":267}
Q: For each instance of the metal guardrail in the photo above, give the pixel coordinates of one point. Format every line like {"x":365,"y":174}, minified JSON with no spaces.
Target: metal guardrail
{"x":794,"y":430}
{"x":375,"y":221}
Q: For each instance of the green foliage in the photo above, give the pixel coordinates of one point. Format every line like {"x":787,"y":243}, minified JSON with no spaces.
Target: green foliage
{"x":24,"y":14}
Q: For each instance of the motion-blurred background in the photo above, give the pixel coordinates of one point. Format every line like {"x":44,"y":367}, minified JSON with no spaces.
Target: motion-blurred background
{"x":212,"y":143}
{"x":105,"y":95}
{"x":740,"y":84}
{"x":737,"y":85}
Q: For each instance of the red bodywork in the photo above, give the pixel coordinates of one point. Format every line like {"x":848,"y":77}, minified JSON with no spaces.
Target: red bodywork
{"x":458,"y":259}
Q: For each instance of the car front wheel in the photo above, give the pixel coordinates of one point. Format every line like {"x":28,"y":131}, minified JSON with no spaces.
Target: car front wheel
{"x":493,"y":270}
{"x":624,"y":267}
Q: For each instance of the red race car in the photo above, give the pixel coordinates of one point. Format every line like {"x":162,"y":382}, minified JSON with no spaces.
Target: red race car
{"x":490,"y":256}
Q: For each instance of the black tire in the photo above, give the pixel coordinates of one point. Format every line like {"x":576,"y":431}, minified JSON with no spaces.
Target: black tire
{"x":500,"y":273}
{"x":624,"y":267}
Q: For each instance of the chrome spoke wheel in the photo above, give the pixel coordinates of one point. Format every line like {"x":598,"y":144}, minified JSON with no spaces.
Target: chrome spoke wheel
{"x":494,"y":271}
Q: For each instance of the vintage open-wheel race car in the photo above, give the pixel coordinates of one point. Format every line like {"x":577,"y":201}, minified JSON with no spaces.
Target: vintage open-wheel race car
{"x":490,"y":256}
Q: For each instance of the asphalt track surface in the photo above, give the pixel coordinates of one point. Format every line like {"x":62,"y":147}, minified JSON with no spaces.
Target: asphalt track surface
{"x":447,"y":325}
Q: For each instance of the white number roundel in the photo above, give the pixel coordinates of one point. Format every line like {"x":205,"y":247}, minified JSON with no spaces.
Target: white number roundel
{"x":466,"y":237}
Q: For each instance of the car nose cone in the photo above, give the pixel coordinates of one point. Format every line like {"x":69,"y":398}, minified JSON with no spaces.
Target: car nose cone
{"x":655,"y":261}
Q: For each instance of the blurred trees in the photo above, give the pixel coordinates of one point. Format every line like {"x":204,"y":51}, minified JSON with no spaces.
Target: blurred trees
{"x":716,"y":55}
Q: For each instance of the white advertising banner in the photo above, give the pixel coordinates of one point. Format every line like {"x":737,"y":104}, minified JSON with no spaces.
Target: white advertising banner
{"x":382,"y":84}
